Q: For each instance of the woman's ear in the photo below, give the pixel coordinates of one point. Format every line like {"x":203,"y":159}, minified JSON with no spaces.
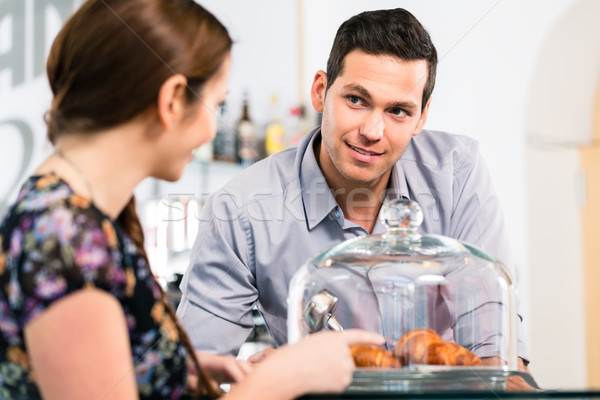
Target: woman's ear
{"x":318,"y":90}
{"x":171,"y":100}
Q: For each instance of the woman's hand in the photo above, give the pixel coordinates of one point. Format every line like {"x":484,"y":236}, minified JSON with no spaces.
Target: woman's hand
{"x":324,"y":361}
{"x":260,"y":356}
{"x":220,"y":368}
{"x":321,"y":362}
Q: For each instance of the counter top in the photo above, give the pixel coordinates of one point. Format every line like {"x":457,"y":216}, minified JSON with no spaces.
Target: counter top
{"x":483,"y":395}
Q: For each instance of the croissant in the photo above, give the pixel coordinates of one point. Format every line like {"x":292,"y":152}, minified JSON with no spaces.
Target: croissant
{"x":373,"y":356}
{"x":425,"y":346}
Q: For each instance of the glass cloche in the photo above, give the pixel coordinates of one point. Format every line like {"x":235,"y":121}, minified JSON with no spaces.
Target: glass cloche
{"x":447,"y":309}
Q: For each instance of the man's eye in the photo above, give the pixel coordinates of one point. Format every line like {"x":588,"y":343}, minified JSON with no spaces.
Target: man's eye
{"x":397,"y":111}
{"x":354,"y":99}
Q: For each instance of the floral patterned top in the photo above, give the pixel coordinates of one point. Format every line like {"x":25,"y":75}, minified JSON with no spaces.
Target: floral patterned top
{"x":53,"y":243}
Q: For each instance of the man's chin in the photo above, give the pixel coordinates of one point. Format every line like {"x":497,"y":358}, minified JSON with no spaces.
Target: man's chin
{"x":365,"y":176}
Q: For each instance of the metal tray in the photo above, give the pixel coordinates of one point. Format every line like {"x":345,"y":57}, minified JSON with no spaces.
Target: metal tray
{"x":431,"y":378}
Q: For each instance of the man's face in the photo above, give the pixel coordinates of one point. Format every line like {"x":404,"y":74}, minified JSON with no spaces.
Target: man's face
{"x":370,"y":113}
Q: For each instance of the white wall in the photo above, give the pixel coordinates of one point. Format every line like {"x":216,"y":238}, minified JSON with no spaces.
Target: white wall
{"x":560,"y":113}
{"x":264,"y":53}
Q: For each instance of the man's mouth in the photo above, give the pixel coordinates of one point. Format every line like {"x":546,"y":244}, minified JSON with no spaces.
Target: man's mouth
{"x":366,"y":153}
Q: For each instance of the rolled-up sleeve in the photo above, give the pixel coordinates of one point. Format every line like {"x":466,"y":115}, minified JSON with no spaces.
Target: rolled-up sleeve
{"x":219,"y":288}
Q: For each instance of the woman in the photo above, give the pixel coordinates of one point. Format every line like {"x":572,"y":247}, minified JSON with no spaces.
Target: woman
{"x":136,"y":84}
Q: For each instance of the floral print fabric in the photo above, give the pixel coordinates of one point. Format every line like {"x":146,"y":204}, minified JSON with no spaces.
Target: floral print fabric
{"x":53,"y":243}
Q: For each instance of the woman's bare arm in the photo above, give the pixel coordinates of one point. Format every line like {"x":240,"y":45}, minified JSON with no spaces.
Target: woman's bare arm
{"x":79,"y":349}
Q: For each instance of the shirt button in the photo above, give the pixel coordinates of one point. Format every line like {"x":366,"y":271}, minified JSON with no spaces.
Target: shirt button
{"x":337,"y":213}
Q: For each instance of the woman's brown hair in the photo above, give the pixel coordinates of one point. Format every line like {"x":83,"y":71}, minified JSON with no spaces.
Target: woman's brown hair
{"x":106,"y":67}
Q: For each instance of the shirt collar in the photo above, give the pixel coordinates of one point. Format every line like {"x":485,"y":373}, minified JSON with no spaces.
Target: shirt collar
{"x":398,"y":186}
{"x":316,"y":195}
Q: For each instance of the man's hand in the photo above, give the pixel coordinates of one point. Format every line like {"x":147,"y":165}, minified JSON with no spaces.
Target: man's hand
{"x":513,"y":383}
{"x":518,"y":384}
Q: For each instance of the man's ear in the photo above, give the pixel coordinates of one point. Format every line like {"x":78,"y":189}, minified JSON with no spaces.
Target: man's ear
{"x":317,"y":91}
{"x":171,"y":100}
{"x":423,"y":118}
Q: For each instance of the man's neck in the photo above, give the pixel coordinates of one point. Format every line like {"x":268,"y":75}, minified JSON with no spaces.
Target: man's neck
{"x":360,"y":203}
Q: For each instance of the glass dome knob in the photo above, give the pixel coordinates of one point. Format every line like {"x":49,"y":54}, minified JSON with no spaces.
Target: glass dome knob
{"x":402,"y":216}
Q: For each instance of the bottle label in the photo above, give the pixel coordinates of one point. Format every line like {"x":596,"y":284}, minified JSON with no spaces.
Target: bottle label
{"x":225,"y":146}
{"x":247,"y":137}
{"x":274,"y":138}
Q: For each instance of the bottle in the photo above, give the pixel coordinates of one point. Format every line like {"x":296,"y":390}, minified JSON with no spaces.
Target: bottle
{"x":246,"y":131}
{"x":299,"y":124}
{"x":275,"y":132}
{"x":224,"y":147}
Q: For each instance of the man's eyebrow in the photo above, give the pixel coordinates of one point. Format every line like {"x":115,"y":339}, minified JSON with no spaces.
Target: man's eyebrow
{"x":406,"y":105}
{"x":409,"y":105}
{"x":357,"y":88}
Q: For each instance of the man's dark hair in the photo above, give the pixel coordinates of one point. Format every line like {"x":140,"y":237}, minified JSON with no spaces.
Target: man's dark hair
{"x":384,"y":32}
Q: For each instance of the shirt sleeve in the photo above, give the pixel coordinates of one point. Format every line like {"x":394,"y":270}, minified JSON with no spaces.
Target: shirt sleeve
{"x":218,"y":288}
{"x":477,"y":218}
{"x":477,"y":215}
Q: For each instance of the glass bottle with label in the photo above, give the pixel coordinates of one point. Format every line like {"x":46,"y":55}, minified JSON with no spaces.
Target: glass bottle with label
{"x":224,"y":148}
{"x":275,"y":132}
{"x":299,"y":124}
{"x":246,"y":132}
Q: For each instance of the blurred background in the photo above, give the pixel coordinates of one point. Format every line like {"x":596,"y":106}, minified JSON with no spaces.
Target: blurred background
{"x":521,"y":77}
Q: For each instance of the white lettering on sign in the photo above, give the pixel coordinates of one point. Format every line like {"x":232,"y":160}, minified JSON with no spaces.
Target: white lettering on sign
{"x":26,"y":24}
{"x":27,"y":29}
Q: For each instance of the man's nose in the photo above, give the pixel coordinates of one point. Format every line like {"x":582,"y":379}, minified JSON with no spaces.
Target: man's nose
{"x":373,"y":127}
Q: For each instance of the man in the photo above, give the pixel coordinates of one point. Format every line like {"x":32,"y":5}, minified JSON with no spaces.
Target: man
{"x":257,"y":230}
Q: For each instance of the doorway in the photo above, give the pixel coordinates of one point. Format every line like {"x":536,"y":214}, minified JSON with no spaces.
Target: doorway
{"x":590,"y":222}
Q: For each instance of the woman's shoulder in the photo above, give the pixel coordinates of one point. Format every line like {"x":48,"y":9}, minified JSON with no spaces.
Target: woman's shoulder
{"x":46,"y":208}
{"x":42,"y":194}
{"x":53,"y":235}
